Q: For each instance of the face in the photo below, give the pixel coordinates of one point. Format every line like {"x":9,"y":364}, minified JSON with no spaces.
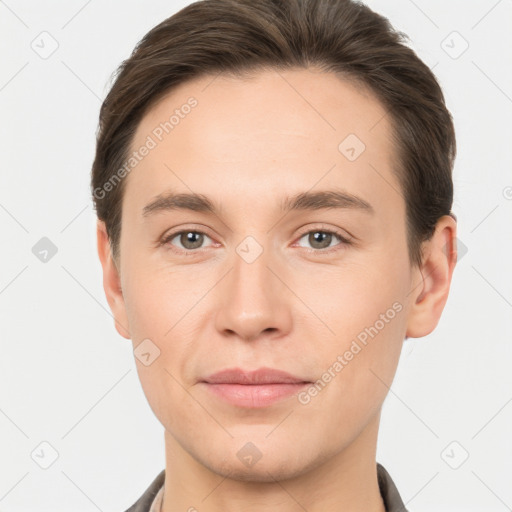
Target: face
{"x":270,"y":272}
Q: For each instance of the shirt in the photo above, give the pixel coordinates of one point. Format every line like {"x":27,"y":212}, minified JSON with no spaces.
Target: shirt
{"x":151,"y":500}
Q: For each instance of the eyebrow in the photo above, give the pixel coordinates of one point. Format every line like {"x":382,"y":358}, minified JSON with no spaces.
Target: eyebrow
{"x":319,"y":200}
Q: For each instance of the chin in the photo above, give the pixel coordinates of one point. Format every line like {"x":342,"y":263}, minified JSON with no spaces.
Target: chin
{"x":259,"y":473}
{"x":269,"y":468}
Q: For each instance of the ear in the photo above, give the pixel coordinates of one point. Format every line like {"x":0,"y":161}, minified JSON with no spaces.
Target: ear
{"x":112,"y":282}
{"x":432,"y":282}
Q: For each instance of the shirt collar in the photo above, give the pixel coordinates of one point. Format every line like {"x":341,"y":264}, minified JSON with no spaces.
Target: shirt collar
{"x":392,"y":500}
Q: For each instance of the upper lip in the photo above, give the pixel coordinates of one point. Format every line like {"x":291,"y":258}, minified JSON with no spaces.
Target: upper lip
{"x":259,"y":376}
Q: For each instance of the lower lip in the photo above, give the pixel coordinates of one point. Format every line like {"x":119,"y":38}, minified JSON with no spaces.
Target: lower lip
{"x":253,"y":395}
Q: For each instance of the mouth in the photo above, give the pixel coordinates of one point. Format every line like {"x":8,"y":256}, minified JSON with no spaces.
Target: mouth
{"x":253,"y":389}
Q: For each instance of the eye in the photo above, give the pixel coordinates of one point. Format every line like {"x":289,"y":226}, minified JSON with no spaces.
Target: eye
{"x":321,"y":239}
{"x":189,"y":239}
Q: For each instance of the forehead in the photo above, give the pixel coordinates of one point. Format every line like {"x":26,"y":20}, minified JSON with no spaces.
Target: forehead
{"x":270,"y":134}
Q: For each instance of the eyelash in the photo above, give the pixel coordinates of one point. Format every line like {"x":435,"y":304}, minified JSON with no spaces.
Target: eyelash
{"x":344,"y":241}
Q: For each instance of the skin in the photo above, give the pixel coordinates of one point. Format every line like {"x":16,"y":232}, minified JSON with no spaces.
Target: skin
{"x":246,"y":145}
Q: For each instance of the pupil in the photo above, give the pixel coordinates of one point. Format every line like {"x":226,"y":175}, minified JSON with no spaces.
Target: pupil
{"x":318,"y":236}
{"x":189,"y":240}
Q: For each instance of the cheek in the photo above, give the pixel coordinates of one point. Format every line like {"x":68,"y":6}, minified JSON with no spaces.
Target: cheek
{"x":155,"y":298}
{"x":159,"y":310}
{"x":365,"y":310}
{"x":354,"y":295}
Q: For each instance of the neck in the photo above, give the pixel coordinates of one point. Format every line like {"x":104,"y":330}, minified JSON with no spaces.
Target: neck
{"x":346,"y":481}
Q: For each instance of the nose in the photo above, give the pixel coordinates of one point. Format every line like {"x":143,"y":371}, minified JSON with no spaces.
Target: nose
{"x":253,"y":302}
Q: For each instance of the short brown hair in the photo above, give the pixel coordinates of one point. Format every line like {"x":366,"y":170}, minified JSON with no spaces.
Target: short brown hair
{"x":241,"y":36}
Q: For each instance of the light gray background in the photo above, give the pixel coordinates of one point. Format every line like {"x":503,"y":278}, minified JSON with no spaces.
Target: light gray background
{"x":68,"y":378}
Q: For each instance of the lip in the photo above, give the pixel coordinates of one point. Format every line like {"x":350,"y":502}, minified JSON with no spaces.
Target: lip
{"x":262,"y":375}
{"x":253,"y":389}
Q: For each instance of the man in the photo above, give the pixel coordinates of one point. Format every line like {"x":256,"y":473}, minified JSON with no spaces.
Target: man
{"x":273,"y":188}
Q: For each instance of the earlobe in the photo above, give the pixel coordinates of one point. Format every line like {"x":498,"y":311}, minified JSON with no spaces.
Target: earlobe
{"x":430,"y":290}
{"x":112,"y":282}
